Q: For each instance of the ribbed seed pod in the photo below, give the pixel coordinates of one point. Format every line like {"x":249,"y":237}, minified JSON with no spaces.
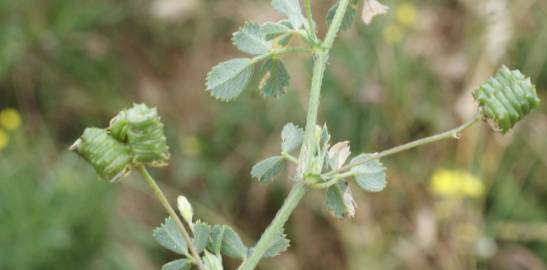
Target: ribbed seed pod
{"x":506,"y":98}
{"x":110,"y":158}
{"x":118,"y":126}
{"x":145,"y":135}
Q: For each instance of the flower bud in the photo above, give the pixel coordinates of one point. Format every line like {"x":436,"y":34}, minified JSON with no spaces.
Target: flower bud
{"x":185,"y":209}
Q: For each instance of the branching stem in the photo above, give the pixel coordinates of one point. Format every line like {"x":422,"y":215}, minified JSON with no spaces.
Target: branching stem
{"x":161,"y":197}
{"x":299,"y":188}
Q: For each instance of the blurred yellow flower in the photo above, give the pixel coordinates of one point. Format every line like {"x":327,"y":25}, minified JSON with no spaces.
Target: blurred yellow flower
{"x":10,"y":118}
{"x":4,"y":139}
{"x":406,"y":14}
{"x":393,"y":34}
{"x":190,"y":145}
{"x":456,"y":183}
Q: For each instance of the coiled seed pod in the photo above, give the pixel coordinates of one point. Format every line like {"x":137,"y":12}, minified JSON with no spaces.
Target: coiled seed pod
{"x":144,"y":134}
{"x":505,"y":98}
{"x":110,"y":158}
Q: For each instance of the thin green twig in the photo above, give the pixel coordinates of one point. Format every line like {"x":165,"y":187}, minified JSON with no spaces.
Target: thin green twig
{"x":161,"y":197}
{"x":454,"y":133}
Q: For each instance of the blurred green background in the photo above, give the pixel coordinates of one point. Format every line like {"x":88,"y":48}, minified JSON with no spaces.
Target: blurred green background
{"x":66,"y":65}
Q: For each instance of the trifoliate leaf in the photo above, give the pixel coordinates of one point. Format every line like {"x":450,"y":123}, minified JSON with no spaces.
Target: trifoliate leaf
{"x":267,"y":169}
{"x":370,"y":176}
{"x":232,"y":245}
{"x":506,"y":98}
{"x":340,"y":200}
{"x":349,"y":16}
{"x":338,"y":154}
{"x":279,"y":245}
{"x":201,"y":235}
{"x":291,"y":9}
{"x":212,"y":262}
{"x":227,"y":80}
{"x":276,"y":79}
{"x":291,"y":137}
{"x":169,"y":236}
{"x":251,"y":39}
{"x":274,"y":29}
{"x":182,"y":264}
{"x":110,"y":158}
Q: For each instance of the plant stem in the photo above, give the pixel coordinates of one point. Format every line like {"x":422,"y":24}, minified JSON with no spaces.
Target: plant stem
{"x":309,"y":16}
{"x":280,"y":52}
{"x":299,"y":188}
{"x":454,"y":133}
{"x":159,"y":194}
{"x":289,"y":157}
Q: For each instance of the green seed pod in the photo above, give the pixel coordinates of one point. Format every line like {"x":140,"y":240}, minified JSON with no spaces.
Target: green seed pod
{"x":110,"y":158}
{"x":145,"y":136}
{"x":506,"y":98}
{"x":118,"y":126}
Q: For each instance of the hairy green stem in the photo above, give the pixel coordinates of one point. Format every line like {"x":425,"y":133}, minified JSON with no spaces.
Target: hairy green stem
{"x":309,"y":16}
{"x":161,"y":197}
{"x":454,"y":133}
{"x":289,"y":157}
{"x":299,"y":188}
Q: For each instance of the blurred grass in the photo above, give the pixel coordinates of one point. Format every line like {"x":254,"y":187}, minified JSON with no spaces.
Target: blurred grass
{"x":66,"y":65}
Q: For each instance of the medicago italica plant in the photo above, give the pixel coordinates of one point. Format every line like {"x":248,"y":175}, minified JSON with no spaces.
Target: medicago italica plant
{"x":135,"y":138}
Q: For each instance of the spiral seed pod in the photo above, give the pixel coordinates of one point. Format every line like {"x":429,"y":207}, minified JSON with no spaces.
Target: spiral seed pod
{"x":118,"y":126}
{"x":110,"y":158}
{"x":145,"y":135}
{"x":505,"y":98}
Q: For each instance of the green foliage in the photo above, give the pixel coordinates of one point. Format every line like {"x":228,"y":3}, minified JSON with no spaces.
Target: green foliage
{"x":232,"y":245}
{"x":181,"y":264}
{"x":274,"y":29}
{"x":277,"y":78}
{"x":201,"y":235}
{"x":227,"y":80}
{"x":340,"y":201}
{"x":212,"y":261}
{"x":278,"y":246}
{"x":291,"y":9}
{"x":169,"y":236}
{"x":251,"y":39}
{"x":291,"y":137}
{"x":267,"y":169}
{"x":506,"y":98}
{"x":370,"y":176}
{"x":215,"y":239}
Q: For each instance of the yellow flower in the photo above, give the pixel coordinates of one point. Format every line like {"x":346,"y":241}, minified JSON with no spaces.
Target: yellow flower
{"x":4,"y":139}
{"x":456,"y":183}
{"x":393,"y":34}
{"x":406,"y":14}
{"x":10,"y":118}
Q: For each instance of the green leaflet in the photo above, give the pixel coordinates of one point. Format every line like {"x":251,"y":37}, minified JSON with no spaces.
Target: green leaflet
{"x":340,"y":200}
{"x":347,"y":21}
{"x":267,"y":169}
{"x":110,"y":158}
{"x":279,"y":245}
{"x":276,"y":79}
{"x":370,"y":176}
{"x":251,"y":39}
{"x":273,"y":29}
{"x":201,"y":235}
{"x":505,"y":98}
{"x":232,"y":245}
{"x":168,"y":235}
{"x":228,"y":79}
{"x":291,"y":9}
{"x":182,"y":264}
{"x":291,"y":137}
{"x":215,"y":239}
{"x":212,"y":261}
